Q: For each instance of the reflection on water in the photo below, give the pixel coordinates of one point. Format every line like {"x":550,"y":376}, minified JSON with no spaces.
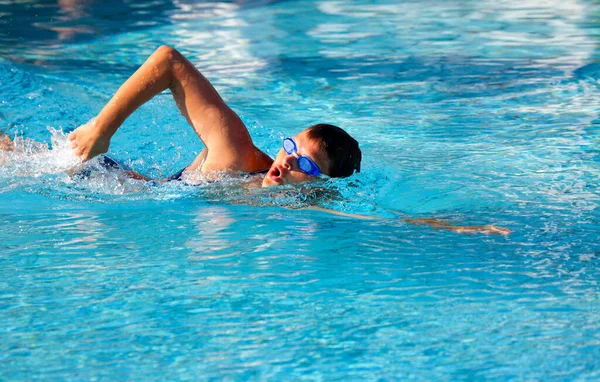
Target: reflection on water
{"x":46,"y":23}
{"x":212,"y":240}
{"x":475,"y":111}
{"x":39,"y":27}
{"x":91,"y":230}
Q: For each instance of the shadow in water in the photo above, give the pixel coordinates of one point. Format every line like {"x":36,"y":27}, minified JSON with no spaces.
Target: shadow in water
{"x":46,"y":24}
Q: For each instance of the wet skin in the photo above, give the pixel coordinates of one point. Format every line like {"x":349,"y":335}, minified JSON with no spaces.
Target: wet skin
{"x":228,"y":145}
{"x":284,"y":169}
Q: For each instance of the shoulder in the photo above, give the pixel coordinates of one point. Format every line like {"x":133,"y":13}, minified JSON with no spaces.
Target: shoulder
{"x":244,"y":159}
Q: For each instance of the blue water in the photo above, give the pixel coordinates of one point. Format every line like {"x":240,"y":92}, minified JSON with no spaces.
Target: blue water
{"x":478,"y":112}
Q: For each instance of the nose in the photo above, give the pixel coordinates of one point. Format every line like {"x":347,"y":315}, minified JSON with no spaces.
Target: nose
{"x":288,"y":162}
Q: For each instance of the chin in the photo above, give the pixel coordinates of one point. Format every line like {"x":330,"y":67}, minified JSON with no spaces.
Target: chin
{"x":267,"y":182}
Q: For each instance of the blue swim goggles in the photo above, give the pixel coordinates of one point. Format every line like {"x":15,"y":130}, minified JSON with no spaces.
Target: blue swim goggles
{"x":305,"y":164}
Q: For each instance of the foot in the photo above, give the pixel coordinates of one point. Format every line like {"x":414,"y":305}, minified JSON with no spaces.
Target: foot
{"x":5,"y":143}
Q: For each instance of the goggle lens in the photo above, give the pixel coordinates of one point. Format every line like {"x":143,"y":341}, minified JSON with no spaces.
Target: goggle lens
{"x":305,"y":164}
{"x":289,"y":146}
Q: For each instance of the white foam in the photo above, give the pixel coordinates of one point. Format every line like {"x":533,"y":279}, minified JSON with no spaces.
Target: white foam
{"x":34,"y":159}
{"x":53,"y":170}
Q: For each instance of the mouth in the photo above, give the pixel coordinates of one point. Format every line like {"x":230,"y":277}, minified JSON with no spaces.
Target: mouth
{"x":275,"y":172}
{"x":274,"y":175}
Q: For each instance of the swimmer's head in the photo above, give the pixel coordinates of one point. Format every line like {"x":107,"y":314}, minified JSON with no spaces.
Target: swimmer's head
{"x":341,"y":149}
{"x":331,"y":149}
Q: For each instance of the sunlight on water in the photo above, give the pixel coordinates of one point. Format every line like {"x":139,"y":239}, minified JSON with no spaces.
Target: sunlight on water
{"x":476,"y":112}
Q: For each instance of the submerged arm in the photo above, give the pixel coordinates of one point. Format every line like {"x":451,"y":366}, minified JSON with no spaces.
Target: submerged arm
{"x":435,"y":223}
{"x":344,"y":214}
{"x":441,"y":224}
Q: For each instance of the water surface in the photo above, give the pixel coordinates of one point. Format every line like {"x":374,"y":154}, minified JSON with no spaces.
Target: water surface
{"x":478,"y":112}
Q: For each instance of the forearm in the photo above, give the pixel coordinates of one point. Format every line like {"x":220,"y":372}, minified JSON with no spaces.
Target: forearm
{"x":213,"y":121}
{"x":151,"y":78}
{"x":434,"y":223}
{"x":441,"y":224}
{"x":166,"y":68}
{"x":344,"y":214}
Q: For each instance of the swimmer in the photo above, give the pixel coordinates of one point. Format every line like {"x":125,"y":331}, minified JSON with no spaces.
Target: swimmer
{"x":321,"y":150}
{"x":6,"y":145}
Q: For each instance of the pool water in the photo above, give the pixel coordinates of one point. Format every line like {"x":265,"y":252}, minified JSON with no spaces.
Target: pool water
{"x":477,"y":112}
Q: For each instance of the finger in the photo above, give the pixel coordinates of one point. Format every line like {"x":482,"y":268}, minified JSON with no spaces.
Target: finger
{"x":504,"y":231}
{"x":72,"y":136}
{"x":85,"y":157}
{"x":500,"y":230}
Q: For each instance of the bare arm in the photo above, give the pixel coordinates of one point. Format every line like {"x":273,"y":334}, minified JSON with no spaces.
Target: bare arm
{"x":344,"y":214}
{"x":441,"y":224}
{"x":435,"y":223}
{"x":219,"y":127}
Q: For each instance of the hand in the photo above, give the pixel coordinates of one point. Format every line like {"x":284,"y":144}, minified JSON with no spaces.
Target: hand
{"x":437,"y":224}
{"x":485,"y":229}
{"x":87,"y":143}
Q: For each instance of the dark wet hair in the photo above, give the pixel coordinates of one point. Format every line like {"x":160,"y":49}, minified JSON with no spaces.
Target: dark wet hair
{"x":342,"y":150}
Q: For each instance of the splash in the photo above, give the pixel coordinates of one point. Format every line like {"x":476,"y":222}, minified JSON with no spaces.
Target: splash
{"x":54,"y":171}
{"x":34,"y":159}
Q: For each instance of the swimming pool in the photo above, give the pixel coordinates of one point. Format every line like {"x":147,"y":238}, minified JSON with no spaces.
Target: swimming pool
{"x":475,"y":111}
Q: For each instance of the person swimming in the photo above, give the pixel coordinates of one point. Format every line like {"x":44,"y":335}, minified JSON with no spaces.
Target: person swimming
{"x":320,"y":150}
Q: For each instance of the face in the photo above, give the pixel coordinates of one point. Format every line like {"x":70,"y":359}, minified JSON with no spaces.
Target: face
{"x":284,"y":169}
